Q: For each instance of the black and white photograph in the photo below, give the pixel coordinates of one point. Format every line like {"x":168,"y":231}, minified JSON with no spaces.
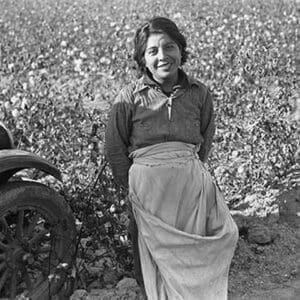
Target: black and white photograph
{"x":149,"y":150}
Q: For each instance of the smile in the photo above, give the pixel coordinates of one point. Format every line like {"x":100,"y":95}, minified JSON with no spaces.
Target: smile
{"x":167,"y":64}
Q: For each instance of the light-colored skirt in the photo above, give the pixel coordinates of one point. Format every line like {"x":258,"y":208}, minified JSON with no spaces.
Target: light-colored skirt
{"x":187,"y":236}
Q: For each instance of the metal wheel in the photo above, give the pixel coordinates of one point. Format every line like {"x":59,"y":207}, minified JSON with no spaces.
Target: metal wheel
{"x":37,"y":234}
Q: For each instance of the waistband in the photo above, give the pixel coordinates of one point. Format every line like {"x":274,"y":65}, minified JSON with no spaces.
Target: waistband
{"x":165,"y":153}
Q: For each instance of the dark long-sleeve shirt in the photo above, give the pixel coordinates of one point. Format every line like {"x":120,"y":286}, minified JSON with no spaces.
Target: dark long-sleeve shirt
{"x":143,"y":115}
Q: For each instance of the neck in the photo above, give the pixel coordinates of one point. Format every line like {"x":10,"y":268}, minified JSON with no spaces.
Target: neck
{"x":168,"y":83}
{"x":167,"y":86}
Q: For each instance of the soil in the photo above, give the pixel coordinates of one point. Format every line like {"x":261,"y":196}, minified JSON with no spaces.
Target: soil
{"x":266,"y":261}
{"x":269,"y":270}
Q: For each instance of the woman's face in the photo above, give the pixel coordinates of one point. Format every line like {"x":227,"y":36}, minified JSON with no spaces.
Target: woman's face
{"x":162,"y":57}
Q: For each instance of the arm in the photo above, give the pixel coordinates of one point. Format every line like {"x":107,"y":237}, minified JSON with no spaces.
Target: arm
{"x":117,"y":138}
{"x":207,"y":126}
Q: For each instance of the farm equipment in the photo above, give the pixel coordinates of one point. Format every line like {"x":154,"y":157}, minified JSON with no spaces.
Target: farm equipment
{"x":37,"y":228}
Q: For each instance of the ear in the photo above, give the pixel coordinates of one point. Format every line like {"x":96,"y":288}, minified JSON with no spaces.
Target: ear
{"x":143,"y":63}
{"x":180,"y":49}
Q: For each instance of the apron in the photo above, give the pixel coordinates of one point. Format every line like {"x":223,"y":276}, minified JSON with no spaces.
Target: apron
{"x":186,"y":234}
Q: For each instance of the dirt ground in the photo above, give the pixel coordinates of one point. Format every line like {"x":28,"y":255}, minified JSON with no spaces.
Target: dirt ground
{"x":269,"y":270}
{"x":266,"y":261}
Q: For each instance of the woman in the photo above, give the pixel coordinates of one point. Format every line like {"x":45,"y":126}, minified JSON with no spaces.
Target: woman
{"x":158,"y":137}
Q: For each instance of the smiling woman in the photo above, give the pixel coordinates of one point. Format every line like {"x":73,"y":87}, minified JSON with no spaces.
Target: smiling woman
{"x":158,"y":138}
{"x":162,"y":59}
{"x":164,"y":48}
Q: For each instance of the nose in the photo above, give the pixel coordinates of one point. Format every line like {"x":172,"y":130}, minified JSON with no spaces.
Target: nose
{"x":161,"y":53}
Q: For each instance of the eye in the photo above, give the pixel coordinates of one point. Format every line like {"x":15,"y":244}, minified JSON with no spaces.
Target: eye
{"x":170,"y":46}
{"x":152,"y":51}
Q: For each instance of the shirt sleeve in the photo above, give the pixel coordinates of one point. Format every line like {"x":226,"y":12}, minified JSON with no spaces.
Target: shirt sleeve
{"x":117,"y":137}
{"x":207,"y":126}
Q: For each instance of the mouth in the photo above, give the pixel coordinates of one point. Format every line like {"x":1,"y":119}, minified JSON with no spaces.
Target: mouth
{"x":164,"y":65}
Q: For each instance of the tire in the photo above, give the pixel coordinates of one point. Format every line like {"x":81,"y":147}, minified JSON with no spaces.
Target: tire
{"x":37,"y":240}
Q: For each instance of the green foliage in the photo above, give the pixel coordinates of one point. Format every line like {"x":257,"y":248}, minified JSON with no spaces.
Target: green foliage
{"x":63,"y":62}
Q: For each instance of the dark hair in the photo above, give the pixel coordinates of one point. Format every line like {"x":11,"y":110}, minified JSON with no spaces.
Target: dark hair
{"x":157,"y":25}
